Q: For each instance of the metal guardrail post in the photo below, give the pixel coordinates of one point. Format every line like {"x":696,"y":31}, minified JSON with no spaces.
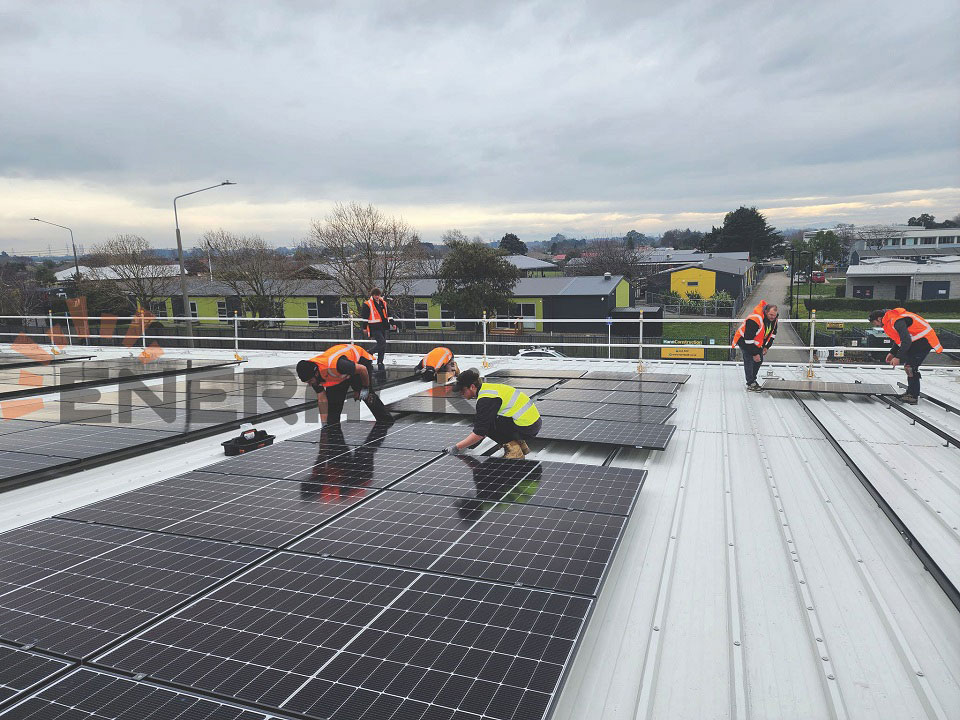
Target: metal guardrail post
{"x":350,"y":316}
{"x":609,"y":334}
{"x":813,"y":324}
{"x":483,"y":324}
{"x":69,"y":332}
{"x":640,"y":345}
{"x":50,"y":317}
{"x":143,"y":332}
{"x":236,"y":331}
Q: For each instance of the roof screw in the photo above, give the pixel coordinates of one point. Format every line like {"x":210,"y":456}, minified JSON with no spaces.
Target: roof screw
{"x":819,"y":639}
{"x":830,"y":677}
{"x":919,"y":673}
{"x":824,"y":658}
{"x":730,"y":544}
{"x":859,"y":560}
{"x":809,"y":607}
{"x":656,"y":628}
{"x":803,"y":582}
{"x":737,"y":643}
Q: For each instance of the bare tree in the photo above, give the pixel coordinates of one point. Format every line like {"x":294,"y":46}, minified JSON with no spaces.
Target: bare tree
{"x":365,"y":249}
{"x":19,"y":292}
{"x":262,"y":277}
{"x":426,"y":261}
{"x":614,"y":257}
{"x":128,"y":265}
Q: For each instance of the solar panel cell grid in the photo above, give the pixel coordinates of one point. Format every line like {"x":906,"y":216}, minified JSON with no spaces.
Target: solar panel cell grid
{"x":14,"y":464}
{"x":350,"y":433}
{"x":78,"y":441}
{"x":598,"y":411}
{"x":333,"y":639}
{"x":90,"y":695}
{"x":610,"y":397}
{"x":21,"y":670}
{"x":71,"y":588}
{"x":652,"y":376}
{"x":533,"y":373}
{"x":620,"y":385}
{"x":8,"y":426}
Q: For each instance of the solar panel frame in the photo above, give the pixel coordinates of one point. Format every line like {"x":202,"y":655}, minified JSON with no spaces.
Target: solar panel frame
{"x":21,"y":671}
{"x":80,"y":441}
{"x":557,"y":374}
{"x":600,"y":411}
{"x":88,"y":694}
{"x":13,"y":425}
{"x":609,"y":397}
{"x":17,"y":464}
{"x":608,"y":432}
{"x":71,"y":588}
{"x":366,"y":641}
{"x":679,"y":378}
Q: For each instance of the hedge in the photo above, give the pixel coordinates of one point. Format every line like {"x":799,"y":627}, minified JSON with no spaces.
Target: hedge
{"x":917,"y":306}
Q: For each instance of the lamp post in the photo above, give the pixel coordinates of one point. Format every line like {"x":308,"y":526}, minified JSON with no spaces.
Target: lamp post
{"x":183,"y":275}
{"x":76,"y":263}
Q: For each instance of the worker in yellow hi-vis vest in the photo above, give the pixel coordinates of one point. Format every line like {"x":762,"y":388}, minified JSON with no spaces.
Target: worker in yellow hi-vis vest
{"x":504,"y":414}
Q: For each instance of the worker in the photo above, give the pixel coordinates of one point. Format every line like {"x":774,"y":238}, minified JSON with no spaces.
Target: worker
{"x":503,"y":413}
{"x":911,"y":339}
{"x":374,"y":310}
{"x":334,"y":373}
{"x":754,"y":337}
{"x":435,"y":362}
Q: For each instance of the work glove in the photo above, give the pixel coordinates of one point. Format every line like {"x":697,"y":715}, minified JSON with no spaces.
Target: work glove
{"x":453,"y":450}
{"x":363,"y":394}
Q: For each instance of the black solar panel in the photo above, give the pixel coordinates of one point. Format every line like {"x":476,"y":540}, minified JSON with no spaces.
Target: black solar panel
{"x":532,"y":373}
{"x":72,"y":588}
{"x":20,"y":671}
{"x":8,"y":426}
{"x":426,"y":436}
{"x":545,"y":547}
{"x":621,"y":386}
{"x":90,"y":695}
{"x":640,"y":435}
{"x":820,"y":386}
{"x":350,"y":433}
{"x":334,"y":639}
{"x":437,"y":405}
{"x":651,"y":376}
{"x":599,"y":411}
{"x":236,"y":509}
{"x":14,"y":464}
{"x":282,"y":460}
{"x":610,"y":398}
{"x":79,"y":441}
{"x":551,"y":484}
{"x":164,"y":418}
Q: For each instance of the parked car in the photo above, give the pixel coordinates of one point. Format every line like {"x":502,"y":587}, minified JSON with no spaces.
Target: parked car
{"x":817,"y":276}
{"x":540,"y":352}
{"x":801,"y":278}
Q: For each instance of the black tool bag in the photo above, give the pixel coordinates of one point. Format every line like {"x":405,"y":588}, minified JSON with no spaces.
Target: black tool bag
{"x":247,"y":441}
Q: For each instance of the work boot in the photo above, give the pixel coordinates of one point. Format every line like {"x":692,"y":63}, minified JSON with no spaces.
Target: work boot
{"x":524,"y":447}
{"x":907,"y":399}
{"x":513,"y":451}
{"x":754,"y":387}
{"x":381,"y":368}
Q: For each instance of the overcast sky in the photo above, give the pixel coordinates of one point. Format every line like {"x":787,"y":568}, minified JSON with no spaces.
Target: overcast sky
{"x":527,"y":117}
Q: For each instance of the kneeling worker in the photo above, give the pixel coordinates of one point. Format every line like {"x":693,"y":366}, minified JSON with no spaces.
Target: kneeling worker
{"x":435,"y":362}
{"x":503,"y":413}
{"x":911,"y":339}
{"x":334,"y":373}
{"x":755,"y":336}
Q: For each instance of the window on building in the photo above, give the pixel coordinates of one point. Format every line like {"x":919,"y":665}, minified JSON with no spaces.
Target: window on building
{"x":929,"y":241}
{"x":947,"y":240}
{"x":863,"y":291}
{"x":344,"y":310}
{"x":193,"y":310}
{"x":527,"y":311}
{"x":895,"y":241}
{"x":158,"y":308}
{"x":910,"y":241}
{"x":693,"y":283}
{"x":313,"y":313}
{"x":421,"y":314}
{"x":222,"y":310}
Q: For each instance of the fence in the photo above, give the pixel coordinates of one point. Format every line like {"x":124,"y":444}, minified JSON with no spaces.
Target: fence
{"x":245,"y":334}
{"x":708,"y":307}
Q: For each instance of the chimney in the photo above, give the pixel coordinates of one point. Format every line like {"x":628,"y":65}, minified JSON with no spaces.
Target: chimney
{"x":606,"y":276}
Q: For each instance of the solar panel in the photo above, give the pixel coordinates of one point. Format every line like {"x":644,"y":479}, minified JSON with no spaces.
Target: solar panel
{"x":532,"y":373}
{"x":426,"y":436}
{"x":599,"y":411}
{"x":71,"y":588}
{"x":15,"y":464}
{"x":613,"y":398}
{"x":285,"y":459}
{"x":79,"y":441}
{"x":436,"y":405}
{"x":550,"y":484}
{"x":652,"y":376}
{"x":820,"y":386}
{"x":335,"y":639}
{"x":349,"y":433}
{"x":610,"y":432}
{"x":21,"y":671}
{"x":621,"y":386}
{"x":90,"y":695}
{"x":10,"y":425}
{"x":168,"y":418}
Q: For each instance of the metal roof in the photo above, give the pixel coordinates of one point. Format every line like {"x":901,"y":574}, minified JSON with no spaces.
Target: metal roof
{"x":540,"y":287}
{"x":528,"y":263}
{"x":946,"y":265}
{"x":757,"y":577}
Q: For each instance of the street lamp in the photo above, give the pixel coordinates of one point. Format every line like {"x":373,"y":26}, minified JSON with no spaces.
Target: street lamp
{"x":183,"y":275}
{"x":76,"y":263}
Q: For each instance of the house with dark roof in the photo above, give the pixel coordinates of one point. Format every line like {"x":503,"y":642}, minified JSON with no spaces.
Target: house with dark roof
{"x":709,"y":276}
{"x":532,"y":267}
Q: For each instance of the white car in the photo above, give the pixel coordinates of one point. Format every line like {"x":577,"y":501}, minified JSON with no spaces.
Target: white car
{"x":543,"y":352}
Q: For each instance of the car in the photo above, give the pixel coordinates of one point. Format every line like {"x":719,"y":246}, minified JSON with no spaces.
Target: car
{"x":543,"y":352}
{"x":818,"y":277}
{"x":801,"y":278}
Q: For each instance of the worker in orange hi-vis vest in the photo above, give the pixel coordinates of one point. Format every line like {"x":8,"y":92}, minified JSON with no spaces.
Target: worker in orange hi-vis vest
{"x":374,"y":311}
{"x":754,"y":337}
{"x":435,"y":362}
{"x":911,"y":339}
{"x":334,"y":373}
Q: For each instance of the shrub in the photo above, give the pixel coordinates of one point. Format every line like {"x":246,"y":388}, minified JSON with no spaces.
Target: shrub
{"x":917,"y":306}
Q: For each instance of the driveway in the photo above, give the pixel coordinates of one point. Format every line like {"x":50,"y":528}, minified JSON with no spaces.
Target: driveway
{"x":774,"y":288}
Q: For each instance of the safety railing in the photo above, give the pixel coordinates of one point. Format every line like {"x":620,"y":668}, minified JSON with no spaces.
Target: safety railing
{"x":144,"y":330}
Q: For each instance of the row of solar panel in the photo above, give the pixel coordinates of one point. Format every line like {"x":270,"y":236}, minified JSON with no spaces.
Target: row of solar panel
{"x":591,"y":375}
{"x":384,"y":639}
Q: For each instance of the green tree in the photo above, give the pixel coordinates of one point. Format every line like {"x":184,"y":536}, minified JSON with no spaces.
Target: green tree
{"x":513,"y":245}
{"x":747,"y":229}
{"x":44,"y":273}
{"x":827,"y":246}
{"x":681,"y":239}
{"x":474,"y":278}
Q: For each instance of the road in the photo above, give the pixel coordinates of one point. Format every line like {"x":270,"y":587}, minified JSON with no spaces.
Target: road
{"x":774,"y":288}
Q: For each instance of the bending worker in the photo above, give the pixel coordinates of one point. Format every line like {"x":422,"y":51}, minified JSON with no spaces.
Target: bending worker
{"x":754,"y":337}
{"x":911,"y":339}
{"x":334,"y":373}
{"x":374,"y":310}
{"x":503,"y":413}
{"x":435,"y":362}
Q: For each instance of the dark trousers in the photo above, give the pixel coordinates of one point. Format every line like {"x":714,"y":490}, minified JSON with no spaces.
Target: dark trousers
{"x":915,"y":356}
{"x":750,"y":366}
{"x":338,"y":393}
{"x":506,"y":430}
{"x":378,"y":333}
